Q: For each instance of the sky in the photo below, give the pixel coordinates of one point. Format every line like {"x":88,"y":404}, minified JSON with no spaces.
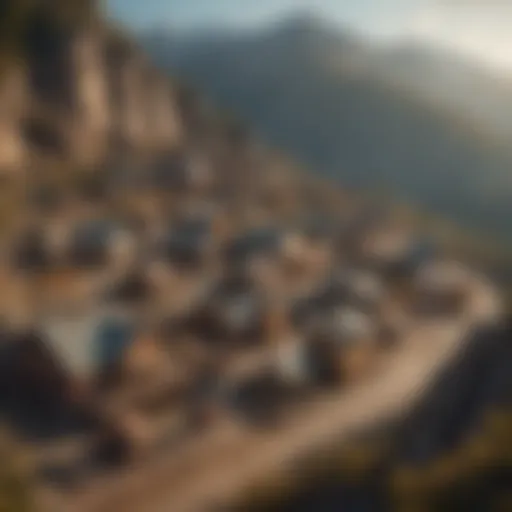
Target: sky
{"x":478,"y":28}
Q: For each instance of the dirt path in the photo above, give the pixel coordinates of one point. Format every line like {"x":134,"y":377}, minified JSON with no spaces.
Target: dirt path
{"x":219,"y":465}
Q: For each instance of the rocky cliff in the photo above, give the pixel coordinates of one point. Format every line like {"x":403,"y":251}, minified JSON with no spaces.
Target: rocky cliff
{"x":12,"y":96}
{"x":79,"y":95}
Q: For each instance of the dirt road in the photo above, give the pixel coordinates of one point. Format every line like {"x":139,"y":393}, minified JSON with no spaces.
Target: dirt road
{"x":217,"y":466}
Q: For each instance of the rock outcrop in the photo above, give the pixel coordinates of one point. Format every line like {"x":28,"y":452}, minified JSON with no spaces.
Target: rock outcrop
{"x":144,"y":113}
{"x":88,"y":94}
{"x":12,"y":99}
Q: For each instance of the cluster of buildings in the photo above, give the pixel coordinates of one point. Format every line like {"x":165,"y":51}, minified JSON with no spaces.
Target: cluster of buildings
{"x":152,"y":300}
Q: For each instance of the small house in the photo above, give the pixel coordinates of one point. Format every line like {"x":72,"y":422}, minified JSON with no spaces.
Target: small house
{"x":190,"y":243}
{"x":232,"y":312}
{"x":260,"y":242}
{"x":346,"y":287}
{"x":306,"y":257}
{"x":366,"y":290}
{"x":262,"y":400}
{"x":99,"y":242}
{"x":68,"y":356}
{"x":345,"y":344}
{"x":441,"y":287}
{"x":422,"y":251}
{"x":133,"y":287}
{"x":384,"y":247}
{"x":310,"y":310}
{"x":292,"y":361}
{"x":398,"y":254}
{"x":239,"y":316}
{"x":57,"y":236}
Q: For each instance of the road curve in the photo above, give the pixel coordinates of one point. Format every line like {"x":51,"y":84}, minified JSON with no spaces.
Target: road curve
{"x":229,"y":458}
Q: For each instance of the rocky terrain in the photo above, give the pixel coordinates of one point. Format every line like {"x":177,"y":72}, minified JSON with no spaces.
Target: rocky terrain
{"x":79,"y":93}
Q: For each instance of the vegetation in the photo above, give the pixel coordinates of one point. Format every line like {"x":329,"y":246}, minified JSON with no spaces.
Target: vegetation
{"x":474,"y":477}
{"x":343,"y":465}
{"x":453,"y":454}
{"x":15,"y":487}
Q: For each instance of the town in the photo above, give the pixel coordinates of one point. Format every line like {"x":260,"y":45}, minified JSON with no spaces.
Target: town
{"x":155,"y":305}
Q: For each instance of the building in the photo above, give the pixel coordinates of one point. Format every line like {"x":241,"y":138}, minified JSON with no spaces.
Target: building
{"x":189,"y":244}
{"x":257,"y":243}
{"x":395,"y":252}
{"x":384,"y":247}
{"x":293,"y":364}
{"x":343,"y":347}
{"x":133,"y":287}
{"x":441,"y":287}
{"x":307,"y":312}
{"x":262,"y":400}
{"x":99,"y":367}
{"x":66,"y":357}
{"x":306,"y":257}
{"x":232,"y":311}
{"x":393,"y":323}
{"x":100,"y":242}
{"x":366,"y":290}
{"x":279,"y":261}
{"x":362,"y":290}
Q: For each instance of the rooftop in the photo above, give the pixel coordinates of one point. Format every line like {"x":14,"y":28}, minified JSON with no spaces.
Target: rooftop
{"x":86,"y":344}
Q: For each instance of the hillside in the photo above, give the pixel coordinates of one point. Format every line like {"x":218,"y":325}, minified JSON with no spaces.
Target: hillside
{"x":137,"y":195}
{"x":338,"y":105}
{"x":74,"y":90}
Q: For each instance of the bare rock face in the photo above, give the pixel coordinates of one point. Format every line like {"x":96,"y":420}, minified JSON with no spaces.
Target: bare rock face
{"x":144,"y":109}
{"x":91,"y":110}
{"x":12,"y":104}
{"x":69,"y":90}
{"x":88,"y":95}
{"x":126,"y":93}
{"x":163,"y":122}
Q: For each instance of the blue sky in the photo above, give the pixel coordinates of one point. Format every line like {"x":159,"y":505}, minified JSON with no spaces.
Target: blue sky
{"x":366,"y":15}
{"x":479,"y":28}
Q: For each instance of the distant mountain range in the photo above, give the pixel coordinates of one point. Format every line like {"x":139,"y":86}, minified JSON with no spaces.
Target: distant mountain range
{"x":413,"y":122}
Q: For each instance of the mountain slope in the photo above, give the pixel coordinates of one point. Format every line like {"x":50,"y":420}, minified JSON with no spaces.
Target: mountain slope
{"x":452,"y":82}
{"x":322,"y":97}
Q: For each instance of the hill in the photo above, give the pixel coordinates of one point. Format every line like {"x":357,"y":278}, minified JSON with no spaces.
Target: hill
{"x":362,"y":115}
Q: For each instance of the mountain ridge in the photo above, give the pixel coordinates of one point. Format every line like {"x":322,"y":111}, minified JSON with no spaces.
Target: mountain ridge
{"x":328,"y":104}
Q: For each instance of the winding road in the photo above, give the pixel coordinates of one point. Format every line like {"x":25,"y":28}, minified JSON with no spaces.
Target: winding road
{"x":214,"y":468}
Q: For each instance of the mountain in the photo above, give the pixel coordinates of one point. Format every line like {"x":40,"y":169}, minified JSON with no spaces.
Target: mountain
{"x":361,"y":114}
{"x":452,"y":82}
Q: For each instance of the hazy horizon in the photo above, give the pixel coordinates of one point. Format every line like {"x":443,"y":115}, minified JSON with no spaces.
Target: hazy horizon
{"x":475,"y":29}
